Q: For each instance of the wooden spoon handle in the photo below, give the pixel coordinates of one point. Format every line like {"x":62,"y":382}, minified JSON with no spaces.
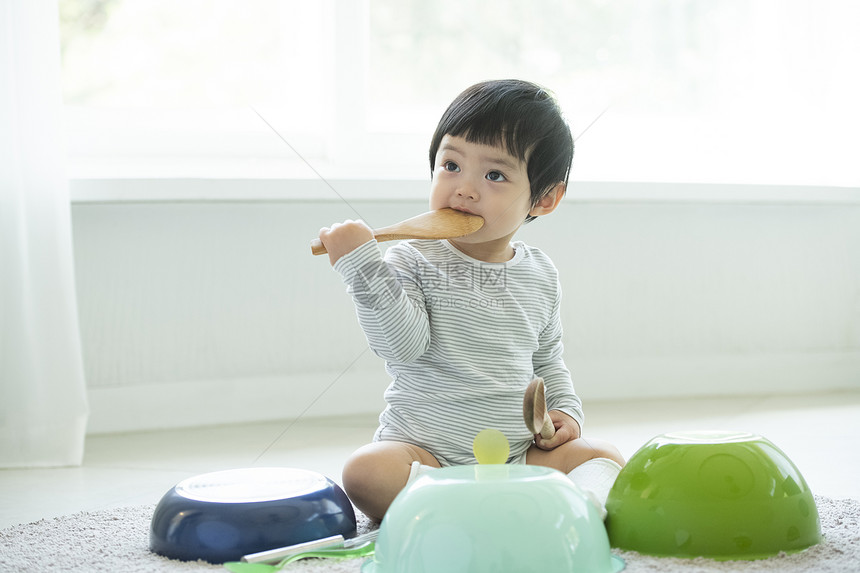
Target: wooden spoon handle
{"x":441,"y":224}
{"x":317,"y":247}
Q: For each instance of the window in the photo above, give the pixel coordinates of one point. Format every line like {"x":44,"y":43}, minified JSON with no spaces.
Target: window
{"x":746,"y":91}
{"x":154,"y":87}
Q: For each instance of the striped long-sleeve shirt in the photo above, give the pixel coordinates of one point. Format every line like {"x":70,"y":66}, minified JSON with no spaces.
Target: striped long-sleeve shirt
{"x":461,"y":340}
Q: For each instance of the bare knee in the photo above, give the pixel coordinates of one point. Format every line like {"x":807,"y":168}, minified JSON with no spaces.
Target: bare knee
{"x":573,"y":453}
{"x":603,"y":449}
{"x":374,"y":474}
{"x":362,"y":482}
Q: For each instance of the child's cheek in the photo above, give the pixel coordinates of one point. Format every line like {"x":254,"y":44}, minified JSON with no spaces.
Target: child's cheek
{"x":438,"y":200}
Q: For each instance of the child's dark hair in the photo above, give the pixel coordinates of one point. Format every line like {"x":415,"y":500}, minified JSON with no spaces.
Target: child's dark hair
{"x":520,"y":116}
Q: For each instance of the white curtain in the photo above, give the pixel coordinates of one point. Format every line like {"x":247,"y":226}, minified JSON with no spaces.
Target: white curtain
{"x":43,"y":405}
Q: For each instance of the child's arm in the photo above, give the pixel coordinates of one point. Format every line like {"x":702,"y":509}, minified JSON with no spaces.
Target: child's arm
{"x":565,"y":407}
{"x":387,"y":294}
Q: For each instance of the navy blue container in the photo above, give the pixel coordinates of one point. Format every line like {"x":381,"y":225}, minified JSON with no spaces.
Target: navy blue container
{"x":222,"y":516}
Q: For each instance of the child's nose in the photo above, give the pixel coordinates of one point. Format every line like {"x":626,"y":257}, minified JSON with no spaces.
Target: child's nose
{"x":467,"y":191}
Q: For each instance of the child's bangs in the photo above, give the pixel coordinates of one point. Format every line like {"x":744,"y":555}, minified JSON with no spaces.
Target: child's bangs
{"x":513,"y":136}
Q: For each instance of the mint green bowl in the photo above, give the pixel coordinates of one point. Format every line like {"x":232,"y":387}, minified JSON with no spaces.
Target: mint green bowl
{"x":722,"y":495}
{"x":492,"y":519}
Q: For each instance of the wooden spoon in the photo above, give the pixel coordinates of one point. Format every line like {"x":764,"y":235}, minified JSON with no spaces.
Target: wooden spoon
{"x":534,"y":410}
{"x":442,"y":224}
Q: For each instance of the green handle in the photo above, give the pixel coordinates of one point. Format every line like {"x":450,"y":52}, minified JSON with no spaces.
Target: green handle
{"x":365,"y":550}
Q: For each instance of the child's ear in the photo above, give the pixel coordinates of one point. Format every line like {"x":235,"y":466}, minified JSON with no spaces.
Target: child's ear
{"x":550,"y":201}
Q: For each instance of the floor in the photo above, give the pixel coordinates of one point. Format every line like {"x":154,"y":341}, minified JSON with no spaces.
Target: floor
{"x":819,"y":432}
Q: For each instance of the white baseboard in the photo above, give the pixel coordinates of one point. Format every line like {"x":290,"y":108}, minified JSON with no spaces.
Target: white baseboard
{"x":216,"y":402}
{"x":235,"y":401}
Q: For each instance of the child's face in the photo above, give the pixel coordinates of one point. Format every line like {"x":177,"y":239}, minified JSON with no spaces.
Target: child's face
{"x":484,"y":180}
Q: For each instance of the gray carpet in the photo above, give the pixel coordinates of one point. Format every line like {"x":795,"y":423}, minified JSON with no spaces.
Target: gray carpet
{"x":117,"y":540}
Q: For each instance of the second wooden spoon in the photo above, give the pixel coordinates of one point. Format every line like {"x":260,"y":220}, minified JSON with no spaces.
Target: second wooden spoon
{"x":534,"y":410}
{"x":441,"y":224}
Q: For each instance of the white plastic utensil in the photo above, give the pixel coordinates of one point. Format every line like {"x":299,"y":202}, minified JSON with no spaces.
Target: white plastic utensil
{"x":333,"y":542}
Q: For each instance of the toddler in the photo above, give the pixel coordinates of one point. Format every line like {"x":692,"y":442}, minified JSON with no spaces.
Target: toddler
{"x":465,"y":324}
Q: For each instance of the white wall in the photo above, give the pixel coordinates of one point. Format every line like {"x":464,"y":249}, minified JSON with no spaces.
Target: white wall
{"x":213,"y":311}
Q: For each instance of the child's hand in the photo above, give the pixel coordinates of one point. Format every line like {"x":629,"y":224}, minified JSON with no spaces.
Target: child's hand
{"x":343,"y":238}
{"x":566,"y":429}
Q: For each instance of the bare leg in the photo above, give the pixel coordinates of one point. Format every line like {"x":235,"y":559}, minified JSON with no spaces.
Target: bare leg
{"x":374,"y":474}
{"x":572,"y":454}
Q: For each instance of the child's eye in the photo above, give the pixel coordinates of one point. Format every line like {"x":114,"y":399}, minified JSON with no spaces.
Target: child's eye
{"x":451,"y":166}
{"x":496,"y":176}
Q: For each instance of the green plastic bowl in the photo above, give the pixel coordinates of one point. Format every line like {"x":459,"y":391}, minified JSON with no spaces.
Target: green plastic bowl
{"x":492,"y":519}
{"x":722,"y":495}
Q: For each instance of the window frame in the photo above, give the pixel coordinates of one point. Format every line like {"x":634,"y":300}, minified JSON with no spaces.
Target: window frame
{"x":344,"y":149}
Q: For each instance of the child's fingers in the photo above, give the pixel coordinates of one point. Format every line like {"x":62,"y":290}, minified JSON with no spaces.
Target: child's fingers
{"x":546,"y":444}
{"x":342,"y":238}
{"x":562,"y":435}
